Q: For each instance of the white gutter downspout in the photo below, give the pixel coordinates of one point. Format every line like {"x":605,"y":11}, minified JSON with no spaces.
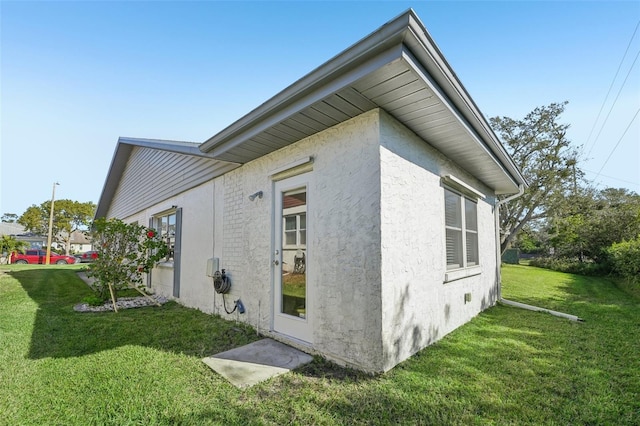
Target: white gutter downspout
{"x":537,"y":309}
{"x":499,"y":262}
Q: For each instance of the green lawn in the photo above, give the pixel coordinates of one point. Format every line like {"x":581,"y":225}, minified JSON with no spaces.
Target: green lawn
{"x":142,"y":366}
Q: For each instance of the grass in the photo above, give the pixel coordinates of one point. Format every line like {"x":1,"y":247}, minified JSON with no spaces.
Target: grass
{"x":142,"y":366}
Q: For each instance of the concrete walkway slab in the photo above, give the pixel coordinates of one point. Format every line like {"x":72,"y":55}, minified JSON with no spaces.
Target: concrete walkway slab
{"x":256,"y":362}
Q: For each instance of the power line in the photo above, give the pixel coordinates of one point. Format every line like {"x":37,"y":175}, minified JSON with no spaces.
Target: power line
{"x":613,"y":178}
{"x":614,"y":102}
{"x":611,"y":87}
{"x":617,"y":143}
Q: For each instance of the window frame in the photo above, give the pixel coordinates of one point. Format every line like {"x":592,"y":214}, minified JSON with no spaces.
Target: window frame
{"x":158,"y":222}
{"x":298,"y":230}
{"x":296,"y":211}
{"x":463,"y":228}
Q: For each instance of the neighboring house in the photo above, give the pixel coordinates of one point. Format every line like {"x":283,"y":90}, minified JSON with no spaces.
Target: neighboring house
{"x":9,"y":228}
{"x":354,"y":213}
{"x":35,"y":241}
{"x":18,"y":231}
{"x":80,"y":242}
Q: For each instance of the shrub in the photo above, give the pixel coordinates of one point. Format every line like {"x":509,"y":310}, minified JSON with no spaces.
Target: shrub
{"x":625,"y":259}
{"x":93,"y":300}
{"x":125,"y":252}
{"x":572,"y":266}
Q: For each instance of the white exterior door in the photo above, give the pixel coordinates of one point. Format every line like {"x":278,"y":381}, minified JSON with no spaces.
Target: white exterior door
{"x":292,"y":300}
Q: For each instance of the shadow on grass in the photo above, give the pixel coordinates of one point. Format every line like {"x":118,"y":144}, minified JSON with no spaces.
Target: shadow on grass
{"x":506,"y":366}
{"x":59,"y":331}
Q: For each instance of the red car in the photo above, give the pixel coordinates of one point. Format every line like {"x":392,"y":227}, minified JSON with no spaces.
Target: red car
{"x":35,"y":256}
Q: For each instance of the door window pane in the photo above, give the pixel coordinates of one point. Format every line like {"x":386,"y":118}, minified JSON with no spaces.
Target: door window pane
{"x":294,"y":256}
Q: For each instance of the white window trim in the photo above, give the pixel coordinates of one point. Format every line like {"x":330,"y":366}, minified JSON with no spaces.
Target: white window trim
{"x":457,"y":274}
{"x":457,"y":185}
{"x":297,"y":215}
{"x":471,"y":194}
{"x":294,"y":168}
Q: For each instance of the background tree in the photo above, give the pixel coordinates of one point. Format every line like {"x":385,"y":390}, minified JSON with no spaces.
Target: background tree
{"x":594,"y":222}
{"x":625,"y":259}
{"x":532,"y":239}
{"x":34,"y":220}
{"x":539,"y":147}
{"x":568,"y":227}
{"x":68,"y":216}
{"x":9,"y":218}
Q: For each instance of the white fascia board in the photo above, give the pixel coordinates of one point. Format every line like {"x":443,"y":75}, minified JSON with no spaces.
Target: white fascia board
{"x":375,"y":50}
{"x":180,"y":147}
{"x":446,"y":101}
{"x":118,"y":163}
{"x":221,"y":144}
{"x":424,"y":48}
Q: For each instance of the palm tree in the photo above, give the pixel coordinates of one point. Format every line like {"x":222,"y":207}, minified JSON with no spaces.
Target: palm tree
{"x":9,"y":244}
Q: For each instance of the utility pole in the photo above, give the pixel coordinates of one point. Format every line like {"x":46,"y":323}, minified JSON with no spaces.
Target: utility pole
{"x":53,"y":197}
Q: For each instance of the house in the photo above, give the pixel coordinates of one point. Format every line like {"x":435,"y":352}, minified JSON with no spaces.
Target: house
{"x":79,"y":242}
{"x":18,"y":231}
{"x":11,"y":229}
{"x":354,"y":213}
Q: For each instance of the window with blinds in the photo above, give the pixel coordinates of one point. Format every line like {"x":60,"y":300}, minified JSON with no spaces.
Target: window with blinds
{"x":461,"y":226}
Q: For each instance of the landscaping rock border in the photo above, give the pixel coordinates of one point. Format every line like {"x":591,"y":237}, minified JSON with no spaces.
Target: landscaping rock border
{"x":122,"y":303}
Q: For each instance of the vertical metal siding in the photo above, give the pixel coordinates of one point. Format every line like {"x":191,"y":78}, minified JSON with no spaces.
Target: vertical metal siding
{"x":153,"y":175}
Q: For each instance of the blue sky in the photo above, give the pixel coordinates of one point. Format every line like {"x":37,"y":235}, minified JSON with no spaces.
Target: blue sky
{"x":77,"y":75}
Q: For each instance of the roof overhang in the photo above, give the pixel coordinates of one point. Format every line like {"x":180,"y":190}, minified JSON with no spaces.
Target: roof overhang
{"x":399,"y":69}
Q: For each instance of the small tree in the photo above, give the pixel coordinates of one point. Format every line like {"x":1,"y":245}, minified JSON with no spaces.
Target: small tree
{"x":125,"y":252}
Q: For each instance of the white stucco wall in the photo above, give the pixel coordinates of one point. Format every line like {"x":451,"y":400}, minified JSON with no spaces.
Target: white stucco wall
{"x":196,"y":289}
{"x":418,"y":307}
{"x":343,"y":246}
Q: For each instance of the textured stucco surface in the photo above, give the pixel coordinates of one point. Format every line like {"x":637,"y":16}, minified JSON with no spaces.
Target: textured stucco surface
{"x":418,"y":307}
{"x":196,"y":289}
{"x":343,"y":263}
